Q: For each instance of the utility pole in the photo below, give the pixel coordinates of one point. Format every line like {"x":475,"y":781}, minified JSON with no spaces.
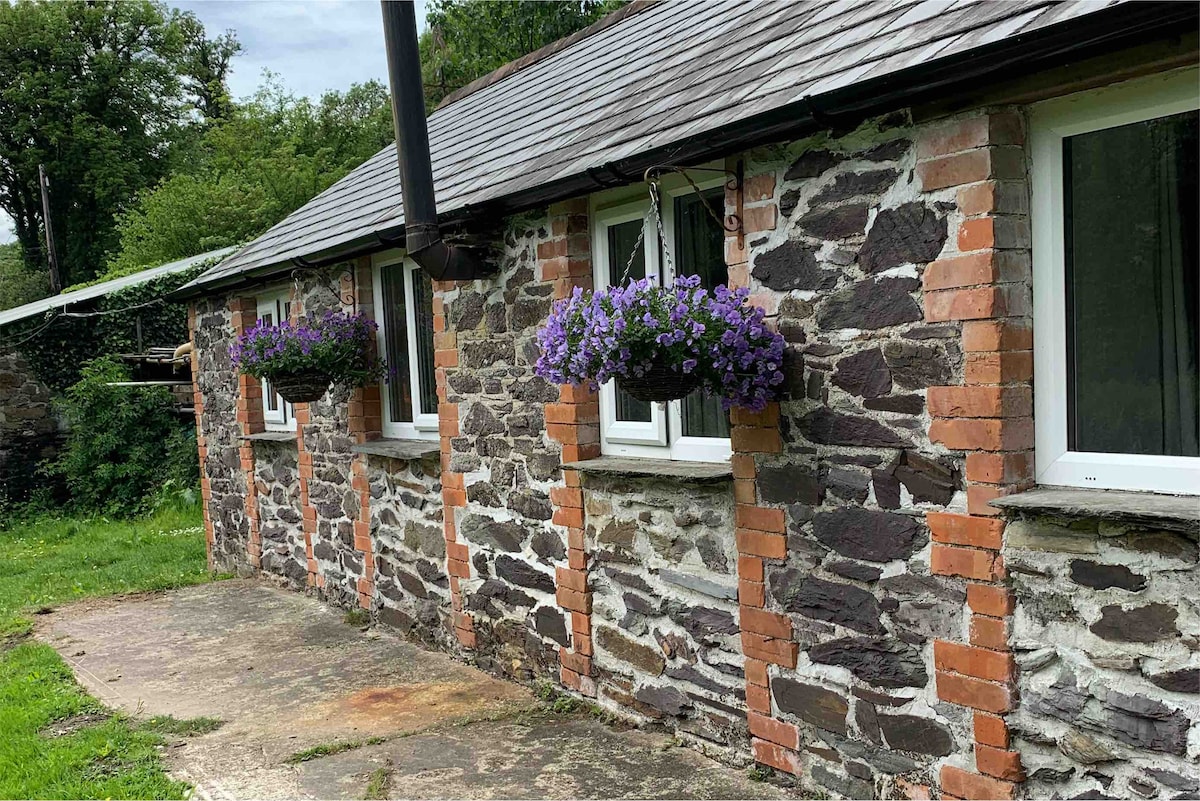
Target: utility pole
{"x":51,"y":253}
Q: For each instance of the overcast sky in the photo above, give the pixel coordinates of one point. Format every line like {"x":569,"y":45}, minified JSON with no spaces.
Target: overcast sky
{"x":312,"y":45}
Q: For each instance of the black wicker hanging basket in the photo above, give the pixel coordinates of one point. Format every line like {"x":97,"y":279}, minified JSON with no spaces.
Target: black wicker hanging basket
{"x":301,"y":387}
{"x":662,"y":382}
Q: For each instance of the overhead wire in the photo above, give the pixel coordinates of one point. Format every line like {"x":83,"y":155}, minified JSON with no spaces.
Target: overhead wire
{"x":35,"y":334}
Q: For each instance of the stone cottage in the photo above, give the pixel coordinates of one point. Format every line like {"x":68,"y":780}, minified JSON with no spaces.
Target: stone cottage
{"x":913,"y":576}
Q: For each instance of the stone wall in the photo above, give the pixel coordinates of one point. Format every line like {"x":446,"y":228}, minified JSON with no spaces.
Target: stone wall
{"x":412,"y":590}
{"x":28,"y":428}
{"x":1107,"y":637}
{"x":664,"y":603}
{"x":277,"y":483}
{"x":223,"y":484}
{"x":502,"y":464}
{"x":839,"y":605}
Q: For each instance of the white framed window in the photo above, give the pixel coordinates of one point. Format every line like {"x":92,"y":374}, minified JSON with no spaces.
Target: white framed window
{"x":403,"y":295}
{"x":1115,"y":273}
{"x":695,"y":428}
{"x":275,"y":307}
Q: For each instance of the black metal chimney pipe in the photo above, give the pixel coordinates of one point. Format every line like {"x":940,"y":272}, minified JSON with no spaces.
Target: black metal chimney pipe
{"x":423,"y":238}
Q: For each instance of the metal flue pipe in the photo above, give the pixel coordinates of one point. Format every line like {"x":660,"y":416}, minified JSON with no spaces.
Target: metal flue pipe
{"x":422,"y":236}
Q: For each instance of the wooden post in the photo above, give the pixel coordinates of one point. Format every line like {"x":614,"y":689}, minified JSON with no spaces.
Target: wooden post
{"x":51,"y":254}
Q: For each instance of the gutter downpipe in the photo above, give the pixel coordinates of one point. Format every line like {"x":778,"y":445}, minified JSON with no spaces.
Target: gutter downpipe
{"x":423,"y":238}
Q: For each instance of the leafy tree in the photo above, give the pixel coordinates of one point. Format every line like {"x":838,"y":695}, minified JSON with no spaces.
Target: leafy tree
{"x":94,"y":91}
{"x":18,"y":284}
{"x":205,"y":66}
{"x":270,"y":156}
{"x":467,"y":39}
{"x":186,"y":215}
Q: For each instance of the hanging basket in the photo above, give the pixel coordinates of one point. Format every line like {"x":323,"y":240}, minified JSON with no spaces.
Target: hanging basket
{"x":662,"y":382}
{"x":301,"y":387}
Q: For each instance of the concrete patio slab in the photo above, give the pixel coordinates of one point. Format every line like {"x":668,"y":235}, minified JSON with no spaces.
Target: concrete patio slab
{"x":286,"y":673}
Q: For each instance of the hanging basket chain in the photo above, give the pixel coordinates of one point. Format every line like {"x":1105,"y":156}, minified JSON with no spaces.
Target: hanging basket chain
{"x":633,"y":253}
{"x":656,"y":209}
{"x":654,"y":215}
{"x":718,"y":219}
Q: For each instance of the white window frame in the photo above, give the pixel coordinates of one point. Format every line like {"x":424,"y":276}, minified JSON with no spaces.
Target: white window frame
{"x":656,"y":439}
{"x":1050,"y":123}
{"x":424,"y":425}
{"x":275,"y":303}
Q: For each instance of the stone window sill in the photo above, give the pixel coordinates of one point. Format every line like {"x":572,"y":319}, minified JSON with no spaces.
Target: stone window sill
{"x":1144,"y":509}
{"x":695,"y":472}
{"x":406,"y":449}
{"x":271,"y":436}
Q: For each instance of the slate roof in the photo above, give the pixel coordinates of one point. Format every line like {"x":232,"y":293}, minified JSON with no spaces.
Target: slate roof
{"x":99,"y":290}
{"x":666,"y":73}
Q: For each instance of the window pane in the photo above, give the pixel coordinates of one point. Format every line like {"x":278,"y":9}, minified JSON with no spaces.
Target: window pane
{"x":1130,"y":200}
{"x":622,"y":239}
{"x":700,"y":246}
{"x":284,"y":308}
{"x":423,"y":312}
{"x":395,"y":339}
{"x":271,"y":397}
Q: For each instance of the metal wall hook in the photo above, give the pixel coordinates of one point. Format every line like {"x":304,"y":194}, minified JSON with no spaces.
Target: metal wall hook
{"x":731,"y":223}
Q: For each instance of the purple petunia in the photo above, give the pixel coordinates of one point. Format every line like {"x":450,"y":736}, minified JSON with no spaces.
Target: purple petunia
{"x":339,"y":345}
{"x":593,"y":337}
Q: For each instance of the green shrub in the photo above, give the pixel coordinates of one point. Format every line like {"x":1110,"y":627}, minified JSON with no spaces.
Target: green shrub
{"x":124,"y":444}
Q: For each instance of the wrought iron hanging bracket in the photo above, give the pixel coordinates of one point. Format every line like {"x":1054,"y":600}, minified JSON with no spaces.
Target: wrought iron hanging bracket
{"x":735,"y":180}
{"x":347,"y":297}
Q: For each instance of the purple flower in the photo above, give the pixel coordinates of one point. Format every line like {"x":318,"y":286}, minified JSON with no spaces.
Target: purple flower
{"x":593,"y":337}
{"x":339,"y":345}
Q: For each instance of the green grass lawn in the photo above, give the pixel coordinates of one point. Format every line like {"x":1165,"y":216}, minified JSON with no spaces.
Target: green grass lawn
{"x":56,"y":741}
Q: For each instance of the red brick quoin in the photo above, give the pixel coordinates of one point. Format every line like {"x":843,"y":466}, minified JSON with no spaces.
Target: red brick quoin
{"x":980,"y":161}
{"x":760,"y":531}
{"x":574,"y":422}
{"x":250,"y":420}
{"x":454,"y":494}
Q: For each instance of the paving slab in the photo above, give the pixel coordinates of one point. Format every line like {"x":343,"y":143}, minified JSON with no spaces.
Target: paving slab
{"x":285,"y":673}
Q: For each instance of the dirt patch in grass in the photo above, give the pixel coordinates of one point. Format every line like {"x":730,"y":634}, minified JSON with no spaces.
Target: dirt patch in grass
{"x":72,"y":724}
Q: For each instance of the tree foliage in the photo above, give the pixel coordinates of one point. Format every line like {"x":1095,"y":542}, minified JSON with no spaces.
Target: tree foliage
{"x":269,"y":156}
{"x":467,"y":39}
{"x":18,"y":284}
{"x":98,"y":92}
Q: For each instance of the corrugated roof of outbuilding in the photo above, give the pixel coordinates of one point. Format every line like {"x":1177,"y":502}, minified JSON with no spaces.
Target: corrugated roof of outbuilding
{"x":670,"y":72}
{"x":61,"y":301}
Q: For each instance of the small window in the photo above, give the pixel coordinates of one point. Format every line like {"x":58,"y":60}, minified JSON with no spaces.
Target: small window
{"x":274,"y":308}
{"x":1117,"y":282}
{"x":404,"y":312}
{"x":695,"y":428}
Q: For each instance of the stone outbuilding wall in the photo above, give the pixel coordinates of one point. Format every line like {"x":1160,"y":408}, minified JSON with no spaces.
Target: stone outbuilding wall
{"x":28,"y":427}
{"x":840,"y":602}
